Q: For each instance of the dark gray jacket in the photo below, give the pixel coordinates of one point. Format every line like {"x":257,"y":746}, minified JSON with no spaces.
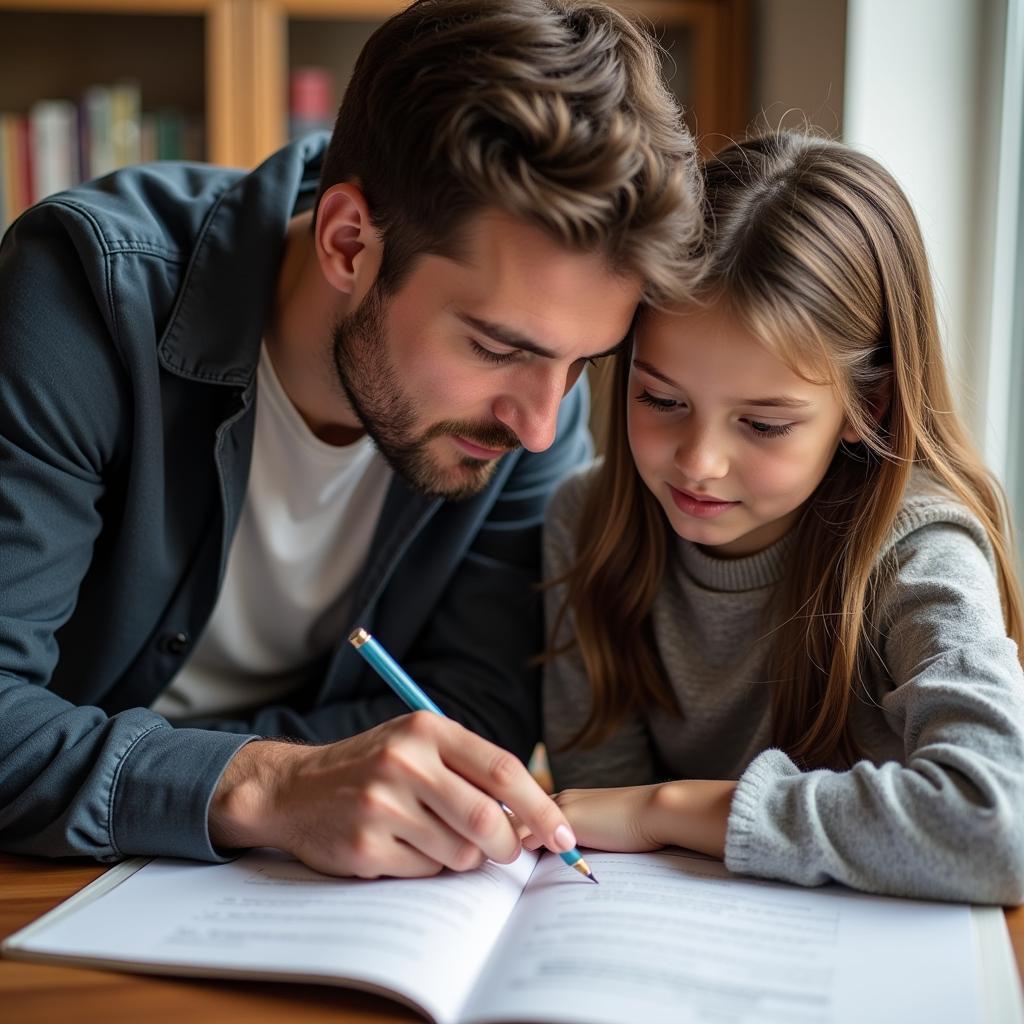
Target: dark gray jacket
{"x":131,"y":314}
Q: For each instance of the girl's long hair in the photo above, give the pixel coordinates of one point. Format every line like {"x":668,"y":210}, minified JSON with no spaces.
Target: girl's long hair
{"x":816,"y":249}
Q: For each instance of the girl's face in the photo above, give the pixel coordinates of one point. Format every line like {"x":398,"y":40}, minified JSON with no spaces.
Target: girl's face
{"x":727,"y":437}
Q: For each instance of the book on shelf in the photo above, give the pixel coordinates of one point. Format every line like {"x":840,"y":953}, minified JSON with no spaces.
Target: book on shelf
{"x":169,"y":135}
{"x":311,"y":104}
{"x":126,"y":123}
{"x":58,"y":143}
{"x":16,"y":186}
{"x":53,"y":138}
{"x":97,"y":143}
{"x":666,"y":937}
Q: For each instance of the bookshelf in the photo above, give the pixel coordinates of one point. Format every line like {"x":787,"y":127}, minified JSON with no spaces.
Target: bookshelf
{"x":228,"y":63}
{"x":707,"y":42}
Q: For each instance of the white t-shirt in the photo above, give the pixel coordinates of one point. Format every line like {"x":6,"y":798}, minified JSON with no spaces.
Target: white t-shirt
{"x":309,"y":515}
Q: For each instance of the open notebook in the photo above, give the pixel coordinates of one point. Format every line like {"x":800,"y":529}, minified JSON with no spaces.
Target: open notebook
{"x":666,"y":936}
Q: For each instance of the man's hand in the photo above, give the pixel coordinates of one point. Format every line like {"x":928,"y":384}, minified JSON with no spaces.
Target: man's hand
{"x":407,"y":798}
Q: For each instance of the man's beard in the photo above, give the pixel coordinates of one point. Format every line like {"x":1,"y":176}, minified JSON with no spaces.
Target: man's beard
{"x":388,"y":413}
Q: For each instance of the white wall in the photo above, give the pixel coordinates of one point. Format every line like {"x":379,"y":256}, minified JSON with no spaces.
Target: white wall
{"x":923,"y":84}
{"x":798,"y":53}
{"x":1004,"y":438}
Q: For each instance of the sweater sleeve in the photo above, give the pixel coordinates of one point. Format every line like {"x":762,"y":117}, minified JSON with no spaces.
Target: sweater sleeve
{"x":625,"y":758}
{"x":946,"y":822}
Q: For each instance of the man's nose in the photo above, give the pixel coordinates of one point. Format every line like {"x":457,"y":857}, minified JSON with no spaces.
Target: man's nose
{"x":532,"y":414}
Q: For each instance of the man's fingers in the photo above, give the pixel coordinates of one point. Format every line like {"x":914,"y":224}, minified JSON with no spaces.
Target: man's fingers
{"x":476,"y":816}
{"x":404,"y":861}
{"x":415,"y":767}
{"x":412,"y":796}
{"x":386,"y":858}
{"x":522,"y":830}
{"x":432,"y":837}
{"x":504,"y":777}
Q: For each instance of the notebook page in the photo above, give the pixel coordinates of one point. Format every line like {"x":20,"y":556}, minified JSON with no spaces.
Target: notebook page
{"x":270,"y":916}
{"x":668,"y":937}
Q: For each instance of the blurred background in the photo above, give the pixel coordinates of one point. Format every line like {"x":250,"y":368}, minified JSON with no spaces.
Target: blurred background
{"x":932,"y":88}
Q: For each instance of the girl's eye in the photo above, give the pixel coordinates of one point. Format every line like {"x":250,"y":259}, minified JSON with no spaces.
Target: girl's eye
{"x":500,"y":358}
{"x":760,"y":429}
{"x":660,"y":404}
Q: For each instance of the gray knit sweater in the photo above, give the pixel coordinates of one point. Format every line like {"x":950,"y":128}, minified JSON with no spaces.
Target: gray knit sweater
{"x":936,"y":810}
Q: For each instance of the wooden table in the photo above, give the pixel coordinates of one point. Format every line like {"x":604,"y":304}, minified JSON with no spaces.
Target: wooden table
{"x":38,"y":994}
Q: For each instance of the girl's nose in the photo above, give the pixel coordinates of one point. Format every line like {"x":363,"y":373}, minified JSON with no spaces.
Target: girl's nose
{"x":700,"y":457}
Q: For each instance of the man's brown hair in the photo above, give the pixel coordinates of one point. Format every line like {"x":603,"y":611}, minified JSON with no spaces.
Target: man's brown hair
{"x":553,"y":111}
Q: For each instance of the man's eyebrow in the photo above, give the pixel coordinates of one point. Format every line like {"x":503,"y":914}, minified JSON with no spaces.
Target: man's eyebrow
{"x":506,"y":336}
{"x":771,"y":402}
{"x":513,"y":339}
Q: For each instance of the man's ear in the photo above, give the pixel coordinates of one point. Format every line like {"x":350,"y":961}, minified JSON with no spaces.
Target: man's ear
{"x":879,"y":407}
{"x":348,"y":247}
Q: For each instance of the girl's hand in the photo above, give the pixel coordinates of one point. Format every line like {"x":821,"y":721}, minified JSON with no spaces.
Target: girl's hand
{"x":691,"y":812}
{"x":619,"y":820}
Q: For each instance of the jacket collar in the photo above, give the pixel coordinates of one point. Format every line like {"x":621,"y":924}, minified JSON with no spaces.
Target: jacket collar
{"x":215,"y":329}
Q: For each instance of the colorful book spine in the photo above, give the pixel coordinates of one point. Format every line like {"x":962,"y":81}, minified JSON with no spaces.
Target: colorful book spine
{"x":53,"y":132}
{"x":16,"y":156}
{"x":170,"y":134}
{"x":5,"y":183}
{"x":98,"y":149}
{"x":59,"y":143}
{"x":126,"y":123}
{"x":310,"y":100}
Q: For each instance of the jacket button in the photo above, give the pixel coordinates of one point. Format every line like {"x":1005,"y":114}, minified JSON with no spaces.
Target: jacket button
{"x":174,"y":643}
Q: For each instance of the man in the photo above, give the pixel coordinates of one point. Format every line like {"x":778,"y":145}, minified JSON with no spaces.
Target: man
{"x":241,"y":414}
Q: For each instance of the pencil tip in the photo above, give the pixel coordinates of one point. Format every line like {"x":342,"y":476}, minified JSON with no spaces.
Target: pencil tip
{"x":593,"y":879}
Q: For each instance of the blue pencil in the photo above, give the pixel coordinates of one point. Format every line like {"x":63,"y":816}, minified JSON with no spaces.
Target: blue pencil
{"x":399,"y":680}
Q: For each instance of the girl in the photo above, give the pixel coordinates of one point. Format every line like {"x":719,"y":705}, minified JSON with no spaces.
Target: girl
{"x":788,"y":585}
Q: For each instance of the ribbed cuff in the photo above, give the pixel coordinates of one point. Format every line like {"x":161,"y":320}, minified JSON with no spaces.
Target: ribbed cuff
{"x":748,"y":805}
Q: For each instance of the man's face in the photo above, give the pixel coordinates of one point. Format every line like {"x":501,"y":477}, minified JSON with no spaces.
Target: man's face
{"x":470,"y":358}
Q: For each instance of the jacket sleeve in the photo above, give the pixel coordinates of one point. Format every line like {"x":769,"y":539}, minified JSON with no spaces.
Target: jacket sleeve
{"x":946,"y":822}
{"x":73,"y":780}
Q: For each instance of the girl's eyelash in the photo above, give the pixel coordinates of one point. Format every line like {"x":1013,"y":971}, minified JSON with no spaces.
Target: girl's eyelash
{"x":499,"y":358}
{"x":757,"y":428}
{"x":660,"y":404}
{"x":769,"y":429}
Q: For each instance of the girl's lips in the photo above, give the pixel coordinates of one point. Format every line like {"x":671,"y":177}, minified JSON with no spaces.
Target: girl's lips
{"x":700,"y":508}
